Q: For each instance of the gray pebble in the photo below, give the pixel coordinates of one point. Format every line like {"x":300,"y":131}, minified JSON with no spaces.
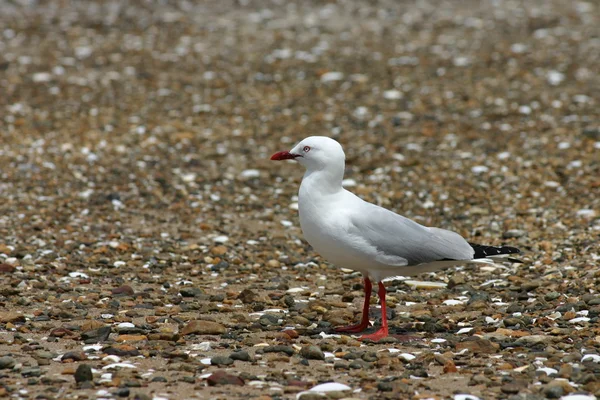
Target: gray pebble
{"x":7,"y":362}
{"x":312,"y":353}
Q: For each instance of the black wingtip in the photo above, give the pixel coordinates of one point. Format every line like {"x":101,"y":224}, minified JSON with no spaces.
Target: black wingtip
{"x":490,"y":251}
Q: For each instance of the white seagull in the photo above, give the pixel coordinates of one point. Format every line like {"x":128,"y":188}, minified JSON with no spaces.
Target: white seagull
{"x":352,"y":233}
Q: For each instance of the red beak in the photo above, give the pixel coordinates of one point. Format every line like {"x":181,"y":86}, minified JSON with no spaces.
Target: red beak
{"x":284,"y":155}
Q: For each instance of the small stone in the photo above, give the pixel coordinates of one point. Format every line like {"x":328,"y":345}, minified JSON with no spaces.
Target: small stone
{"x":221,"y":360}
{"x":84,"y":373}
{"x":61,"y":332}
{"x":7,"y":362}
{"x":248,"y":296}
{"x":477,"y":345}
{"x":528,"y":286}
{"x":131,"y":338}
{"x":122,"y":392}
{"x":511,"y":388}
{"x":223,"y":378}
{"x":240,"y":356}
{"x":456,"y":280}
{"x":533,"y":340}
{"x":280,"y":349}
{"x":73,"y":356}
{"x":31,"y":372}
{"x":219,"y":250}
{"x":553,"y":391}
{"x":124,"y":290}
{"x":312,"y":353}
{"x":385,"y":386}
{"x":191,"y":292}
{"x":513,"y":234}
{"x":96,"y":335}
{"x":201,"y":327}
{"x":7,"y":268}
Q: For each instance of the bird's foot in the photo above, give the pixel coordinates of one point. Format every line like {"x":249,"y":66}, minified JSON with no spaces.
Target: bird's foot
{"x":376,"y":336}
{"x":353,"y":328}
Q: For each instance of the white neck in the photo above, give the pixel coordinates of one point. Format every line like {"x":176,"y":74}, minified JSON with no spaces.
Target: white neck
{"x":323,"y":182}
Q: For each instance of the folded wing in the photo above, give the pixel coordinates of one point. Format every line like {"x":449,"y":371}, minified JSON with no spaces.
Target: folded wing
{"x":399,"y":241}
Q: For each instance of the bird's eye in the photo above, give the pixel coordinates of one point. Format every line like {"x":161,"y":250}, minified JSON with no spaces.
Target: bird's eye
{"x":306,"y":149}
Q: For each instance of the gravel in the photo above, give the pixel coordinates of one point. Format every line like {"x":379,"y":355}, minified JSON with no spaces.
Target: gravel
{"x":144,"y":233}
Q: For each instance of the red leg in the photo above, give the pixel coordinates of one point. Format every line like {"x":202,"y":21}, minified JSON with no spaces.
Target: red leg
{"x":364,"y":322}
{"x":383,"y":331}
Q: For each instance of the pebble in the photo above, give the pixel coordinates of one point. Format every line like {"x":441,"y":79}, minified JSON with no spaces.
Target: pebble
{"x":96,"y":335}
{"x":221,"y":360}
{"x":83,"y":373}
{"x":279,"y":349}
{"x":312,"y":353}
{"x":241,"y":355}
{"x":7,"y":362}
{"x":220,"y":377}
{"x":201,"y":327}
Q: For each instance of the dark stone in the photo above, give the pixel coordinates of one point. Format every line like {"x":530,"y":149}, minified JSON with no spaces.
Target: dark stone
{"x":84,"y":374}
{"x":122,"y":392}
{"x":74,"y":355}
{"x":124,"y":290}
{"x":223,"y":378}
{"x":190,"y":292}
{"x":240,"y":356}
{"x":159,"y":379}
{"x":312,"y":353}
{"x":554,"y":391}
{"x":385,"y":386}
{"x":289,"y":301}
{"x":221,"y":360}
{"x":279,"y":349}
{"x":29,"y":372}
{"x":269,"y":320}
{"x":7,"y":362}
{"x":96,"y":335}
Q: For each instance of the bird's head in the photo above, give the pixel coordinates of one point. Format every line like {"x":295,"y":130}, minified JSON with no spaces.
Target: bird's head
{"x":315,"y":153}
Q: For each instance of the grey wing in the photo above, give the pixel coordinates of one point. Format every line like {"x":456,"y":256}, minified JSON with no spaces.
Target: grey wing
{"x":401,"y":241}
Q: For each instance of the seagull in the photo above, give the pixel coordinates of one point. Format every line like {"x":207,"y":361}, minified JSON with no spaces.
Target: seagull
{"x":352,"y":233}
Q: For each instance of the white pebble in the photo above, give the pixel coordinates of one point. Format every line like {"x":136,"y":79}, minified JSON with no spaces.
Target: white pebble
{"x":250,"y":173}
{"x":118,"y":365}
{"x":42,"y":77}
{"x":578,"y":320}
{"x":392,"y":94}
{"x":348,"y":183}
{"x":287,"y":223}
{"x":555,"y":78}
{"x":78,"y":275}
{"x":578,"y":396}
{"x":478,"y":169}
{"x":119,"y":264}
{"x":332,"y":76}
{"x":330,"y":387}
{"x":452,"y":302}
{"x":465,"y":397}
{"x":586,"y":213}
{"x":549,"y":371}
{"x":221,"y":239}
{"x":438,"y":340}
{"x":591,"y":357}
{"x":464,"y":330}
{"x":407,"y":356}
